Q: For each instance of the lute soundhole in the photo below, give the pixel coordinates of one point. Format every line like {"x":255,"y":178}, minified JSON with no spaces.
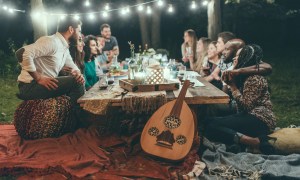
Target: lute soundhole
{"x":153,"y":131}
{"x":172,"y":122}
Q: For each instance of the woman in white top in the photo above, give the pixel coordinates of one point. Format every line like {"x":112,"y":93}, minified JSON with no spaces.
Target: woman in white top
{"x":188,"y":48}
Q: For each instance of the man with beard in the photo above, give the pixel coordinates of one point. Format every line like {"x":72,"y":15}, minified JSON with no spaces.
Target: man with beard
{"x":228,"y":54}
{"x":111,"y":43}
{"x":42,"y":61}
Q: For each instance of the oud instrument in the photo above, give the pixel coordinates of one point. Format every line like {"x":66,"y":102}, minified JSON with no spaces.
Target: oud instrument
{"x":169,"y":133}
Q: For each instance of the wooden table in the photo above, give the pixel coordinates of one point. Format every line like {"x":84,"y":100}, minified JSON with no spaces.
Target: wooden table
{"x":207,"y":94}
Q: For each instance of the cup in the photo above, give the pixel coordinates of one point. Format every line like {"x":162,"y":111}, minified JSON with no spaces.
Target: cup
{"x":110,"y":80}
{"x":103,"y":81}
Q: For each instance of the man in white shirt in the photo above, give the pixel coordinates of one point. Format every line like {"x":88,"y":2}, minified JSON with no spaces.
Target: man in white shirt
{"x":42,"y":61}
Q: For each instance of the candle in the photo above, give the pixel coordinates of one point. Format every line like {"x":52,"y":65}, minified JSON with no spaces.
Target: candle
{"x":139,"y":77}
{"x":167,"y":73}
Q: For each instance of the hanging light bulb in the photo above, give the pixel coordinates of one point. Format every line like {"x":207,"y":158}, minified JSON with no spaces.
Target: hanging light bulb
{"x":76,"y":16}
{"x":10,"y":10}
{"x":127,"y":9}
{"x":123,"y":11}
{"x":140,"y":7}
{"x":62,"y":17}
{"x":106,"y":7}
{"x":87,"y":3}
{"x":105,"y":14}
{"x":204,"y":3}
{"x":170,"y":9}
{"x":91,"y":16}
{"x":194,"y":5}
{"x":149,"y":10}
{"x":160,"y":3}
{"x":5,"y":8}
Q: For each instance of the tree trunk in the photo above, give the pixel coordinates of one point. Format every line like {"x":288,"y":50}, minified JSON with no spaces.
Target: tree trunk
{"x":144,"y":27}
{"x":39,"y":23}
{"x":155,"y":32}
{"x":214,"y":19}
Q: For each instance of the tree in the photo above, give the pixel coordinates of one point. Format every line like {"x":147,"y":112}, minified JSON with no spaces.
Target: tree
{"x":214,"y":18}
{"x":39,"y":20}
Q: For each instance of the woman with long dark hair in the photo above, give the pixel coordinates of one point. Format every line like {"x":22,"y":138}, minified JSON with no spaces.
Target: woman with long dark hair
{"x":255,"y":118}
{"x":92,"y":69}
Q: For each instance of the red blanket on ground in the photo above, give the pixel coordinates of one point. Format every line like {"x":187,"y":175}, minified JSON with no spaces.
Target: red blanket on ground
{"x":81,"y":154}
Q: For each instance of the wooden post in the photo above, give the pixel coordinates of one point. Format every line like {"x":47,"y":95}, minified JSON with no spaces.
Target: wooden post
{"x":40,"y":22}
{"x":214,"y":19}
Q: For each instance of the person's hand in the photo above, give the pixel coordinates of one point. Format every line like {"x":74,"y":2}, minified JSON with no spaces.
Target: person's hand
{"x":206,"y":71}
{"x":49,"y":83}
{"x":185,"y":59}
{"x":216,"y":77}
{"x":78,"y":77}
{"x":228,"y":77}
{"x":67,"y":69}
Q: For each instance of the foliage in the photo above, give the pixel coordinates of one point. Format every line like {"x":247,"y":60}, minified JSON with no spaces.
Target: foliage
{"x":8,"y":63}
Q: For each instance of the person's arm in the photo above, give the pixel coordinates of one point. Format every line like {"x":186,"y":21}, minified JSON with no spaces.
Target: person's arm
{"x":213,"y":75}
{"x":253,"y":88}
{"x":264,"y":70}
{"x":44,"y":46}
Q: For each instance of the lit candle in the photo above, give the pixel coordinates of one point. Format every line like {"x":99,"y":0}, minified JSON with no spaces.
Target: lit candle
{"x":167,"y":73}
{"x":139,"y":77}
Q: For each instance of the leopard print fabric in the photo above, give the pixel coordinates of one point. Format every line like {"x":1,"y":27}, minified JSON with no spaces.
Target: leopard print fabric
{"x":255,"y":100}
{"x":43,"y":118}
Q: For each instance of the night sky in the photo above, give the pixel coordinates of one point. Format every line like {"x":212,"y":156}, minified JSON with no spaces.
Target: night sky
{"x":263,"y":28}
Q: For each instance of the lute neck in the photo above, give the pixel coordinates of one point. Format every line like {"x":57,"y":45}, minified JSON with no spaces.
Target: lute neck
{"x":178,"y":104}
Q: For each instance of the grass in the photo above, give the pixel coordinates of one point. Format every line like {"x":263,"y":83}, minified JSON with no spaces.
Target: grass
{"x":284,"y":83}
{"x":9,"y":101}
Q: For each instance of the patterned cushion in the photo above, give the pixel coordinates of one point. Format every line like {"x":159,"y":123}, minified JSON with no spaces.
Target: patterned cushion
{"x":43,"y":118}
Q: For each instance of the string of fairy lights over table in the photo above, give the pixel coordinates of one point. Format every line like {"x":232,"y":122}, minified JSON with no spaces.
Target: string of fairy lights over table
{"x":145,"y":7}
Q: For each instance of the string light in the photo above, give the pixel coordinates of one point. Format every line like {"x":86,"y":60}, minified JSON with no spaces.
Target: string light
{"x":205,"y":3}
{"x":87,"y":3}
{"x":140,"y":7}
{"x":149,"y":10}
{"x":194,"y":5}
{"x":106,"y":7}
{"x":62,"y":17}
{"x":105,"y":12}
{"x":170,"y":9}
{"x":91,"y":16}
{"x":160,"y":3}
{"x":76,"y":16}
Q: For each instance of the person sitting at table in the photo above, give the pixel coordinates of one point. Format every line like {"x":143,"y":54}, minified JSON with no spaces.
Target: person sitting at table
{"x":202,"y":47}
{"x":188,"y":48}
{"x":255,"y":119}
{"x":226,"y":62}
{"x":77,"y":54}
{"x":211,"y":62}
{"x":111,"y":43}
{"x":92,"y":68}
{"x":105,"y":57}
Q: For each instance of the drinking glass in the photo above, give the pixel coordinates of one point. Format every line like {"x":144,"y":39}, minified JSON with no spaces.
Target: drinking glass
{"x":110,"y":80}
{"x":103,"y":81}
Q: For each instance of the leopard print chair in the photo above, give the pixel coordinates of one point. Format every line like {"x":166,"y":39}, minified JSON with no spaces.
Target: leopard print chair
{"x":44,"y":118}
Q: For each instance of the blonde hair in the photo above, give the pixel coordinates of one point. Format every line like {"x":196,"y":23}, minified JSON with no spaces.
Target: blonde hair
{"x":200,"y":57}
{"x":191,"y":33}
